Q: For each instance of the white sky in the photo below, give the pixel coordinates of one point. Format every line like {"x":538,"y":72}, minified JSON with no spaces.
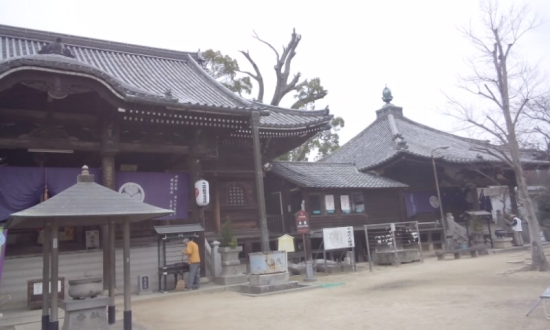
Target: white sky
{"x":355,"y":47}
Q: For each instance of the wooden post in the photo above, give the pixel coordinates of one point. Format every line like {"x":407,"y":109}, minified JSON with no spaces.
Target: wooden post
{"x":194,"y":176}
{"x":258,"y":170}
{"x":110,"y":139}
{"x":127,"y":276}
{"x":108,"y":180}
{"x":112,"y":272}
{"x":46,"y":276}
{"x":475,"y":197}
{"x":54,"y":322}
{"x":216,"y":211}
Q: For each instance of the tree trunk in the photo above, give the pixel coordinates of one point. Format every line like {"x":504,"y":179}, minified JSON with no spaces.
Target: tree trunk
{"x":539,"y":261}
{"x":537,"y":252}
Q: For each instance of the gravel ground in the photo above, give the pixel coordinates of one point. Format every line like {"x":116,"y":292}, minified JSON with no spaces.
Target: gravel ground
{"x":479,"y":293}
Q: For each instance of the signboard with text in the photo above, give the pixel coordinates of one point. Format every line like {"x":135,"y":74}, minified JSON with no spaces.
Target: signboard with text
{"x":338,"y":238}
{"x":302,"y":222}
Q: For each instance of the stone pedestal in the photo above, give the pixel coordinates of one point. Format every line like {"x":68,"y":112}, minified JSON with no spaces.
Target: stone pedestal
{"x":231,"y":271}
{"x":86,"y":314}
{"x":502,"y":243}
{"x":403,"y":256}
{"x":269,"y":279}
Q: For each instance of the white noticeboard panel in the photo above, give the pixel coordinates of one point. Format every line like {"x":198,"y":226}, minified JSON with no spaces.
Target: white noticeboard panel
{"x":92,"y":239}
{"x":338,"y":238}
{"x":37,"y":288}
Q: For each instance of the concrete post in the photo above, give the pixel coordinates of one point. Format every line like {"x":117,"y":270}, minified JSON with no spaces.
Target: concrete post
{"x":216,"y":259}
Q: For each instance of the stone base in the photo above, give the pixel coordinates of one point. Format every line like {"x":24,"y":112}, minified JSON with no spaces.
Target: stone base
{"x":86,"y":314}
{"x":232,"y":280}
{"x":269,"y":279}
{"x":502,"y":243}
{"x":388,"y":258}
{"x":269,"y":288}
{"x":330,"y":269}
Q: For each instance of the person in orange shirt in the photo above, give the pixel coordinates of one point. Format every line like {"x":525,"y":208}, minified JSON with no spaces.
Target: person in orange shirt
{"x":192,"y":251}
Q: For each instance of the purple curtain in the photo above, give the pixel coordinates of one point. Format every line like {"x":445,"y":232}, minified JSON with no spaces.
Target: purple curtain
{"x":165,"y":190}
{"x":23,"y":187}
{"x":419,"y":202}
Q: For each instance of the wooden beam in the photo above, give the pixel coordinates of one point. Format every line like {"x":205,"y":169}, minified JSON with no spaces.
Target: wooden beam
{"x":57,"y":144}
{"x":39,"y":116}
{"x":153,"y":148}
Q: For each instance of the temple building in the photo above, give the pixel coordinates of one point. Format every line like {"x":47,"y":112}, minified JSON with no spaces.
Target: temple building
{"x":148,"y":123}
{"x":387,"y":172}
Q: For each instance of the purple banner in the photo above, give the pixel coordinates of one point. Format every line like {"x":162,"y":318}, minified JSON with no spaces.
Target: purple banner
{"x":421,"y":202}
{"x":23,"y":187}
{"x":165,"y":190}
{"x":3,"y":244}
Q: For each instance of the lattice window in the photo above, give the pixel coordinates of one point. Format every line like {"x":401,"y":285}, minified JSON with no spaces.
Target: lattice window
{"x":236,"y":195}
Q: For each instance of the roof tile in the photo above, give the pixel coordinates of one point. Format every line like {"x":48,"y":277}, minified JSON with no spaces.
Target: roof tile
{"x":330,"y":175}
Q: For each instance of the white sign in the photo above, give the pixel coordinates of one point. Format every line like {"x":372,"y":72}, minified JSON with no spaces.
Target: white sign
{"x":37,"y":288}
{"x":338,"y":238}
{"x":434,"y":202}
{"x":202,"y":193}
{"x":329,"y":204}
{"x":92,"y":239}
{"x":344,"y":203}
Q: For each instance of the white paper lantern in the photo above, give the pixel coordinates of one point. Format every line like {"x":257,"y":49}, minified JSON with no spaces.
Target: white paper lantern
{"x":202,"y":192}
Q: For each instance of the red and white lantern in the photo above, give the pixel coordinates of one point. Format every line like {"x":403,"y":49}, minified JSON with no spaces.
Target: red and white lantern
{"x":202,"y":192}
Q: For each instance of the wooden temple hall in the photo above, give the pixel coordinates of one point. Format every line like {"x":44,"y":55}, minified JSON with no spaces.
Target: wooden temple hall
{"x":387,"y":174}
{"x":148,"y":123}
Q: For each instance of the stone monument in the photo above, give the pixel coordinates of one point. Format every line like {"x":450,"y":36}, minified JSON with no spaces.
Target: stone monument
{"x":87,"y":310}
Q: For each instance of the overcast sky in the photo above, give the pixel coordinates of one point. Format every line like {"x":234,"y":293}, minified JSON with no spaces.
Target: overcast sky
{"x":355,"y":47}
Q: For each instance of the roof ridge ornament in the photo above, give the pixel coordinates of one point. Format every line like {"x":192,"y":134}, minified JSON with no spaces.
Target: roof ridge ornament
{"x":386,"y":95}
{"x":168,"y":96}
{"x":56,"y":48}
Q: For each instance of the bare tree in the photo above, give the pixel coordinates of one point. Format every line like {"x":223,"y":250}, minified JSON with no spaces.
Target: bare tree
{"x":508,"y":85}
{"x":311,"y":91}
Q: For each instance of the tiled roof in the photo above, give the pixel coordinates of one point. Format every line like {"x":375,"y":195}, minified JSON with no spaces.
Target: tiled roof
{"x":140,"y":73}
{"x":392,"y":135}
{"x":330,"y":175}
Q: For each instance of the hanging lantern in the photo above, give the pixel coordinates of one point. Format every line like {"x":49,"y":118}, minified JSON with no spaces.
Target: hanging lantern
{"x":202,"y":192}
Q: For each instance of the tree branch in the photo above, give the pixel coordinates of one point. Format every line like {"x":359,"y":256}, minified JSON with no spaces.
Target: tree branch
{"x":258,"y":77}
{"x":267,"y":43}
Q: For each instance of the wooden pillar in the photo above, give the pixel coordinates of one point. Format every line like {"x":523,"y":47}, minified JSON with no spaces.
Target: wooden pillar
{"x":193,"y":176}
{"x":202,"y":252}
{"x":197,"y":213}
{"x":216,"y":210}
{"x":127,"y":276}
{"x":54,"y":322}
{"x":46,"y":276}
{"x":112,"y":273}
{"x":110,"y":138}
{"x":107,"y":180}
{"x":475,"y":197}
{"x":258,"y":170}
{"x":402,"y":205}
